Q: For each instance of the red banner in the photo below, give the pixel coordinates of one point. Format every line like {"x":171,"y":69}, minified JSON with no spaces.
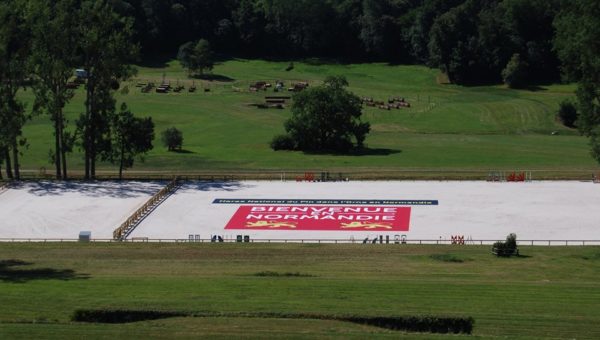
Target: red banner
{"x":343,"y":218}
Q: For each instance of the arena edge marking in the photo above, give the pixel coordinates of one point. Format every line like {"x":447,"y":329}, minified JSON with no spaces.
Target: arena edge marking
{"x":322,"y":201}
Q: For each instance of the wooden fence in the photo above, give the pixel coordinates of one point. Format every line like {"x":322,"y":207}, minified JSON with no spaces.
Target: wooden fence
{"x":350,"y":174}
{"x":126,"y":227}
{"x":3,"y":187}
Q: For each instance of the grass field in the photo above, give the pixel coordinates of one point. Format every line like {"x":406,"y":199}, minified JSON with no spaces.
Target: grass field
{"x":549,"y":292}
{"x":447,"y":127}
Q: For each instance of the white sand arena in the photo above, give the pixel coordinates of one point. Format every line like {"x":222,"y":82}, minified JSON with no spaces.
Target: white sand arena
{"x":545,"y":210}
{"x":62,"y":210}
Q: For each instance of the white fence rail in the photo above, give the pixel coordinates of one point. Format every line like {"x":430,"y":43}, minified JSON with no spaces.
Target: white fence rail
{"x":325,"y":241}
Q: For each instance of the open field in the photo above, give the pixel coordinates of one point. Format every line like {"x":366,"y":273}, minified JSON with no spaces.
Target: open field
{"x":547,"y":293}
{"x":448,"y":127}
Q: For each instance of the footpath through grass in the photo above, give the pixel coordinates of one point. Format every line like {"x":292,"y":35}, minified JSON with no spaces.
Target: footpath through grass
{"x":447,"y":127}
{"x":550,"y":292}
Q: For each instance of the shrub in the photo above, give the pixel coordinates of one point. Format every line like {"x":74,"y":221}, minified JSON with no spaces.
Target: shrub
{"x":515,"y":73}
{"x":511,"y":243}
{"x":567,"y":113}
{"x":172,"y":138}
{"x":507,"y":248}
{"x":283,"y":142}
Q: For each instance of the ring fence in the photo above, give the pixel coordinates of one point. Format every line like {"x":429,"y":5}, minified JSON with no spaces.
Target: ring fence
{"x":138,"y":216}
{"x":377,"y":240}
{"x":507,"y":175}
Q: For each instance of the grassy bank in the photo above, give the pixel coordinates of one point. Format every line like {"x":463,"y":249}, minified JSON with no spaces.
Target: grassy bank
{"x":549,"y":292}
{"x":447,"y":126}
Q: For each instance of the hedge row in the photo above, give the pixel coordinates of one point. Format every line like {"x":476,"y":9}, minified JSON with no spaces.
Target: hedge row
{"x":431,"y":324}
{"x":121,"y":316}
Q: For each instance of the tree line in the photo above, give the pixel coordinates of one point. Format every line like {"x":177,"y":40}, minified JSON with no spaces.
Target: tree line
{"x":41,"y":45}
{"x":473,"y":41}
{"x":520,"y":42}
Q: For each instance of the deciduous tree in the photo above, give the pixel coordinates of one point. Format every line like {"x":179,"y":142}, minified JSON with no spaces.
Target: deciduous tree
{"x":196,"y":57}
{"x":132,"y":137}
{"x":578,"y":46}
{"x":327,"y":118}
{"x":515,"y":73}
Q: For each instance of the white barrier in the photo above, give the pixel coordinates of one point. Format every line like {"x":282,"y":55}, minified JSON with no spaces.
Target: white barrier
{"x":324,"y":241}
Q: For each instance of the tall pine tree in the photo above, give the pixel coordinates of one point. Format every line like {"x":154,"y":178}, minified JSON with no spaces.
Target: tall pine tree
{"x":14,"y":49}
{"x":53,"y":59}
{"x":107,"y":49}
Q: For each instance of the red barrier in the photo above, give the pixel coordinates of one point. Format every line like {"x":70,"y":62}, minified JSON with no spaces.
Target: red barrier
{"x":516,"y":177}
{"x":457,"y":239}
{"x":309,"y":177}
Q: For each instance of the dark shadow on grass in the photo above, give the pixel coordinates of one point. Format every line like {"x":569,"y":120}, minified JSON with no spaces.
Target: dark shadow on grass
{"x":448,"y":258}
{"x":478,"y":83}
{"x":122,"y":316}
{"x":399,"y":62}
{"x":91,"y":189}
{"x":213,"y":77}
{"x":535,"y":88}
{"x":357,"y":152}
{"x":374,"y":152}
{"x":184,"y":151}
{"x":542,"y":86}
{"x":277,"y":274}
{"x":591,"y":257}
{"x":156,"y":62}
{"x":321,"y":61}
{"x":8,"y":273}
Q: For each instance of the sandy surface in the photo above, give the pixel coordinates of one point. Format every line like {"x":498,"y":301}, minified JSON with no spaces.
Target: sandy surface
{"x":480,"y":210}
{"x":62,"y":210}
{"x":555,"y":210}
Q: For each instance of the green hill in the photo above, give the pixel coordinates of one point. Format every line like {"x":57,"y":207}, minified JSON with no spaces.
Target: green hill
{"x":447,"y":127}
